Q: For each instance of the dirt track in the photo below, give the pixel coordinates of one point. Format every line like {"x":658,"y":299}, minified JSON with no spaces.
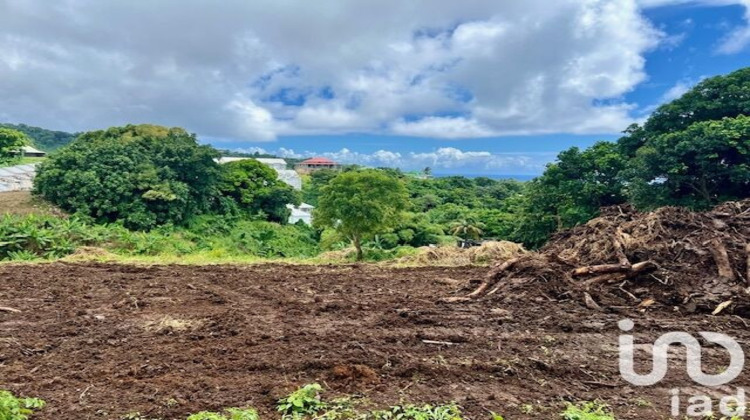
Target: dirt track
{"x":99,"y":341}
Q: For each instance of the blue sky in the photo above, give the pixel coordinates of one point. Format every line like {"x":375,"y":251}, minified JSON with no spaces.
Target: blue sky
{"x":476,"y":87}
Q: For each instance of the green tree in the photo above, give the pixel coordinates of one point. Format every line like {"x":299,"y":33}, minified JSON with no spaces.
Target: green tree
{"x":707,"y":163}
{"x":360,"y":204}
{"x":314,"y":183}
{"x":257,"y":190}
{"x":11,"y":142}
{"x":571,"y":191}
{"x":140,"y":175}
{"x":467,"y":229}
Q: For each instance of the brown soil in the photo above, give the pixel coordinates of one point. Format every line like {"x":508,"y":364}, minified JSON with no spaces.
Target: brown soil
{"x":98,"y":341}
{"x":23,"y":203}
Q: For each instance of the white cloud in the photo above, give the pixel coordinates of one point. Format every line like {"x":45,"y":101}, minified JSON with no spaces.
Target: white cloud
{"x":256,"y":70}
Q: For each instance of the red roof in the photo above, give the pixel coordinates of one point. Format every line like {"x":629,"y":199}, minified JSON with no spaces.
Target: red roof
{"x":319,"y":161}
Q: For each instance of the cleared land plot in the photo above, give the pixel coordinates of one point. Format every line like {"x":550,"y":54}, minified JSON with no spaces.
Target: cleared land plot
{"x":100,"y":341}
{"x":22,"y":203}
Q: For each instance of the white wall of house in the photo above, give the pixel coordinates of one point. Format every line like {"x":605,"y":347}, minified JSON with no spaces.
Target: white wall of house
{"x":302,"y":212}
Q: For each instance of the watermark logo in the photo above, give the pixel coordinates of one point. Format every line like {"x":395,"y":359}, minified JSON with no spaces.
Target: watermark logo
{"x":700,"y":405}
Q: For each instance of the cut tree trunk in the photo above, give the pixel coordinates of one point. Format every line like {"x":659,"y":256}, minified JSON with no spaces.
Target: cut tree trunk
{"x":721,"y":257}
{"x":600,"y":269}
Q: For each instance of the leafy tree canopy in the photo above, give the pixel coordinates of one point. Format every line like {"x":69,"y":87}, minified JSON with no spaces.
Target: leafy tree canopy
{"x":140,"y":175}
{"x":360,"y":204}
{"x":257,"y":190}
{"x":707,"y":163}
{"x":10,"y":143}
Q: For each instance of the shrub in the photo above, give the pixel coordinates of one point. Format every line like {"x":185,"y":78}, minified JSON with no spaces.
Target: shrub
{"x":143,"y":176}
{"x":13,"y":408}
{"x":231,"y":414}
{"x":302,"y":402}
{"x":590,"y":410}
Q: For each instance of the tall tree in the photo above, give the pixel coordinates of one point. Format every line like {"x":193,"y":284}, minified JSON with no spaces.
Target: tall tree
{"x":11,"y":142}
{"x":360,"y":204}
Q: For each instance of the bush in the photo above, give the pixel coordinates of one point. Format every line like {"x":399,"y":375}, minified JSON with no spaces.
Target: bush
{"x":142,"y":176}
{"x":257,"y":190}
{"x":13,"y":408}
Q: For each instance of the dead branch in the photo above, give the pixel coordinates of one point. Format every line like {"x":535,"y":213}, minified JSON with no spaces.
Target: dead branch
{"x":747,"y":275}
{"x":7,"y":309}
{"x":439,"y":343}
{"x":632,"y":271}
{"x":721,"y":257}
{"x":492,"y":278}
{"x":590,"y":303}
{"x":600,"y":269}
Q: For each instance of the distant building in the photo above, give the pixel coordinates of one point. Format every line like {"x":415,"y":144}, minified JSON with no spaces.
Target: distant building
{"x":287,"y":176}
{"x":29,"y":151}
{"x":303,"y":212}
{"x":315,"y":164}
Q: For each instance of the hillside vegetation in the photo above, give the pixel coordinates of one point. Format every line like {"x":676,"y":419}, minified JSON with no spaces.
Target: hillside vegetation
{"x":43,"y":139}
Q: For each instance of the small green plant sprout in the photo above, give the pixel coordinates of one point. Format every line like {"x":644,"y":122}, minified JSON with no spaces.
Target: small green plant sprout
{"x":496,"y":416}
{"x":424,"y":412}
{"x":230,"y":414}
{"x":13,"y":408}
{"x":589,"y":410}
{"x":302,"y":402}
{"x":340,"y":409}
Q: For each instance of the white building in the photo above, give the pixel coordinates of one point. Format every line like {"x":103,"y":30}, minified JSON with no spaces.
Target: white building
{"x":303,"y":212}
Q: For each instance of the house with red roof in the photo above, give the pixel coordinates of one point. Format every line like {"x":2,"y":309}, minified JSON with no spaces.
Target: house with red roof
{"x":315,"y":164}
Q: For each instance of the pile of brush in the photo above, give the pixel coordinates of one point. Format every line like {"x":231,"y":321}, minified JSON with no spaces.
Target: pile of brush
{"x":671,"y":257}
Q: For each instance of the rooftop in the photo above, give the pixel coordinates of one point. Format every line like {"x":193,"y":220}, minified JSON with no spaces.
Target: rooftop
{"x":319,"y":161}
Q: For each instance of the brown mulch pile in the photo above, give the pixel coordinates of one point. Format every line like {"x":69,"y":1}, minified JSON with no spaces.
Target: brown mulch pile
{"x":671,"y":258}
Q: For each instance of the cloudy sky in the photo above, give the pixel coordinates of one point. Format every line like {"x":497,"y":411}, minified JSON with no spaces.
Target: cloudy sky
{"x":473,"y":86}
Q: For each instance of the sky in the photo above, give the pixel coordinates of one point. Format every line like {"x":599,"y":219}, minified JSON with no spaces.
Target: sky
{"x":475,"y":87}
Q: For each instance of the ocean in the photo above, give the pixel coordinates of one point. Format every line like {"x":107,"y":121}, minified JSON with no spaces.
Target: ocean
{"x":517,"y":177}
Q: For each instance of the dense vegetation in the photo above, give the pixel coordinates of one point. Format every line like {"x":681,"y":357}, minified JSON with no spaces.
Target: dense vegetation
{"x":256,"y":190}
{"x":206,"y":237}
{"x":147,"y":176}
{"x":10,"y":142}
{"x":43,"y":139}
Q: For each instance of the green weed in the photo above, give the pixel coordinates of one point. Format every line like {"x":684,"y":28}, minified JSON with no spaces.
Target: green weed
{"x":590,"y":410}
{"x":13,"y":408}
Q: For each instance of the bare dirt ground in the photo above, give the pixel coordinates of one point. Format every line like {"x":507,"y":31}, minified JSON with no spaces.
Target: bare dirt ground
{"x":98,"y":341}
{"x":22,"y":203}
